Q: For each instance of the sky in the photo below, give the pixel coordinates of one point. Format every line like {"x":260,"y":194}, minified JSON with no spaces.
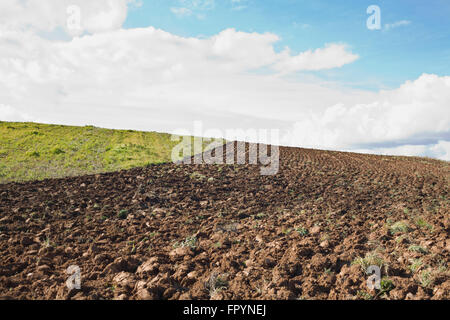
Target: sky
{"x":316,"y":71}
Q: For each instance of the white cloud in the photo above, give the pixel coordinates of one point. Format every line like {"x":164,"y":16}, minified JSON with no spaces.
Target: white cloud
{"x":396,"y":24}
{"x":417,"y":107}
{"x":149,"y":68}
{"x":181,"y":12}
{"x":189,"y":7}
{"x":440,"y":150}
{"x":332,"y":56}
{"x":39,"y":15}
{"x":199,"y":4}
{"x":149,"y":79}
{"x":238,"y":5}
{"x":8,"y":113}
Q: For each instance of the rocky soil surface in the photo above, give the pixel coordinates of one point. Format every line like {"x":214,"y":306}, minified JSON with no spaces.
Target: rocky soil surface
{"x":227,"y":232}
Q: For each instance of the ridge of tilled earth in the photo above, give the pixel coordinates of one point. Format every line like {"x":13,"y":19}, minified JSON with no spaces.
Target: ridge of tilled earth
{"x":226,"y":232}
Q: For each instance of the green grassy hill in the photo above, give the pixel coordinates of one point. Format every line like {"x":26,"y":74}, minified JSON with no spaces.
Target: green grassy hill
{"x":32,"y":151}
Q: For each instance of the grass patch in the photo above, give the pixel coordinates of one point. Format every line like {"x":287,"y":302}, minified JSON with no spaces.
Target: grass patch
{"x":260,"y":216}
{"x":188,"y":242}
{"x":58,"y":151}
{"x":399,"y":227}
{"x":422,"y":223}
{"x":401,"y":238}
{"x":122,"y":214}
{"x":370,"y":259}
{"x":302,"y":231}
{"x":216,"y":283}
{"x":32,"y":151}
{"x":416,"y":248}
{"x":426,"y":278}
{"x":415,"y":265}
{"x":364,"y":295}
{"x":386,"y":285}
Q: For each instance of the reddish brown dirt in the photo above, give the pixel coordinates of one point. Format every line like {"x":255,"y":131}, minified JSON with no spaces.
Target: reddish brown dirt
{"x":226,"y":232}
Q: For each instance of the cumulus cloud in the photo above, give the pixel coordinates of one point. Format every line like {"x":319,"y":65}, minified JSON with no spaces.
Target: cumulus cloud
{"x":417,"y":107}
{"x":48,"y":15}
{"x":149,"y":79}
{"x":332,"y":56}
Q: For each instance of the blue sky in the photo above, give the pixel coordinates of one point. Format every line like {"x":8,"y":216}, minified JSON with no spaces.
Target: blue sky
{"x":388,"y":57}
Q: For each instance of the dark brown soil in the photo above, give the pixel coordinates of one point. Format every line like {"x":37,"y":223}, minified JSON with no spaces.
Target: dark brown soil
{"x":226,"y":232}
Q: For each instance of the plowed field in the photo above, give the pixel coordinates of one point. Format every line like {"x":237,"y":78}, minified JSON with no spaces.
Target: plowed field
{"x":226,"y":232}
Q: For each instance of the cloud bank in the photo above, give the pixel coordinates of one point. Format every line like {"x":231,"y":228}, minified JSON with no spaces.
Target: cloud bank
{"x":150,"y":79}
